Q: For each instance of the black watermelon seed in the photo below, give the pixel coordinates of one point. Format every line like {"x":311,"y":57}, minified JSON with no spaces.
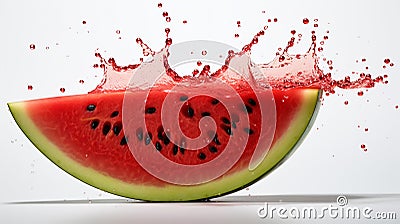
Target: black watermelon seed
{"x":123,"y":141}
{"x":114,"y":114}
{"x":139,"y":134}
{"x":106,"y":127}
{"x":248,"y":109}
{"x":166,"y":140}
{"x":150,"y":110}
{"x":214,"y":101}
{"x":160,"y":133}
{"x":158,"y":146}
{"x":205,"y":114}
{"x":249,"y":131}
{"x":225,"y":120}
{"x":252,"y":102}
{"x":148,"y":138}
{"x":175,"y":150}
{"x":216,"y":140}
{"x":117,"y":128}
{"x":94,"y":123}
{"x":183,"y":98}
{"x":91,"y":107}
{"x":190,"y":112}
{"x":227,"y":129}
{"x":182,"y":150}
{"x":213,"y":149}
{"x":201,"y":156}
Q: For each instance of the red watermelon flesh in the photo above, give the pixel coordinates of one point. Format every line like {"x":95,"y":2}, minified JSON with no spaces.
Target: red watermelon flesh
{"x":88,"y":136}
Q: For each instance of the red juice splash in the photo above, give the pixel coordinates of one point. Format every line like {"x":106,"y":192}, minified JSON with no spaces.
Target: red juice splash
{"x":285,"y":71}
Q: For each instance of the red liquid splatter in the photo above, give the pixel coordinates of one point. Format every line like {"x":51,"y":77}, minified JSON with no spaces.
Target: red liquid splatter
{"x":360,"y":93}
{"x":30,"y":87}
{"x":118,"y":32}
{"x":184,"y":21}
{"x":275,"y":20}
{"x":387,"y":61}
{"x":159,"y":5}
{"x":236,"y":35}
{"x":365,"y":129}
{"x":199,"y":63}
{"x":81,"y":81}
{"x":346,"y":102}
{"x":302,"y":69}
{"x":397,"y":106}
{"x":83,"y":22}
{"x":32,"y":47}
{"x":62,"y":89}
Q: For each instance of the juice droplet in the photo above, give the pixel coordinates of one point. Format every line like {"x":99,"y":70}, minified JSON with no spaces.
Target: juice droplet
{"x":83,"y":22}
{"x":346,"y":102}
{"x":81,"y":81}
{"x":293,"y":32}
{"x":397,"y":106}
{"x":195,"y":72}
{"x":362,"y":146}
{"x":32,"y":47}
{"x":387,"y":61}
{"x":168,"y":42}
{"x":365,"y":129}
{"x":47,"y":48}
{"x":391,"y":64}
{"x":238,"y":23}
{"x":360,"y":93}
{"x":168,"y":19}
{"x":184,"y":21}
{"x":199,"y":63}
{"x":117,"y":31}
{"x":363,"y":60}
{"x":204,"y":53}
{"x":275,"y":20}
{"x":306,"y":21}
{"x":62,"y":89}
{"x":236,"y":35}
{"x":159,"y":5}
{"x":263,"y":11}
{"x":165,"y":14}
{"x":316,"y":25}
{"x":30,"y":87}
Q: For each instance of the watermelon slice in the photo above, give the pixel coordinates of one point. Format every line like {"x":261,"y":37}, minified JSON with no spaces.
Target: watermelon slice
{"x":90,"y":138}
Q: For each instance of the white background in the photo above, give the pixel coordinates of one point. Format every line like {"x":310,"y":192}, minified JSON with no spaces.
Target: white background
{"x":330,"y":160}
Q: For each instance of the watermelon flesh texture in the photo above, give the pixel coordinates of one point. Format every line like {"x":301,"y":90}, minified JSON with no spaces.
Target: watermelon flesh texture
{"x":85,"y":136}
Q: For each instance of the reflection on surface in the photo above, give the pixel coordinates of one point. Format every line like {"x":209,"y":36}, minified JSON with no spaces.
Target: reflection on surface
{"x":307,"y":199}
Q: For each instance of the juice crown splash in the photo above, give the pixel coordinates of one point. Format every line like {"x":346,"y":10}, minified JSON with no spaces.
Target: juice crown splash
{"x":285,"y":71}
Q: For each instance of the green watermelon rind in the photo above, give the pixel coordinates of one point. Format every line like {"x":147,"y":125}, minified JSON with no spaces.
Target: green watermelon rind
{"x":219,"y":187}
